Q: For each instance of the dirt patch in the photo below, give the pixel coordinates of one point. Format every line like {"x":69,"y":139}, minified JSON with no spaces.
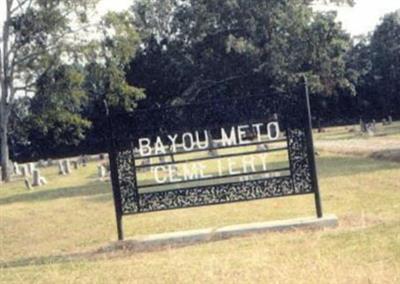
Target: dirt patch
{"x":387,"y":150}
{"x":388,"y":155}
{"x":358,"y":221}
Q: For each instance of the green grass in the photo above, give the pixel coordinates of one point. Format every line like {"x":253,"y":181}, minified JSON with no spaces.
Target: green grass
{"x":53,"y":234}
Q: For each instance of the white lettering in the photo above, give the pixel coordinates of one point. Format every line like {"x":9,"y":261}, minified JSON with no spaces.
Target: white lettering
{"x":273,"y":130}
{"x":144,"y":147}
{"x":173,"y":174}
{"x":242,"y":134}
{"x":205,"y":143}
{"x":156,"y":171}
{"x":258,"y":130}
{"x":159,"y":147}
{"x":202,"y":168}
{"x":228,"y":141}
{"x":173,"y":141}
{"x":190,"y":172}
{"x":187,"y":138}
{"x":248,"y":162}
{"x":231,"y":165}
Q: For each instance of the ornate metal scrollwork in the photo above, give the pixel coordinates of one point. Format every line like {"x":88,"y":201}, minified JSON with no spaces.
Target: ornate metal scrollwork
{"x":299,"y":182}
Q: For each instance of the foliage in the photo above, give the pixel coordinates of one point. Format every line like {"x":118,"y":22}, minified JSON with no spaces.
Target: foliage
{"x":36,"y":36}
{"x":55,"y":109}
{"x":385,"y":51}
{"x":105,"y":78}
{"x":196,"y":50}
{"x":373,"y":66}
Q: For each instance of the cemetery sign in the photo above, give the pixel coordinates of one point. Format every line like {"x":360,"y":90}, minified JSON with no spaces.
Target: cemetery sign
{"x":240,"y":149}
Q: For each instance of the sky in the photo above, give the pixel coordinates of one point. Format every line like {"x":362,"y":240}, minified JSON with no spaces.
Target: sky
{"x":364,"y":16}
{"x":357,"y":20}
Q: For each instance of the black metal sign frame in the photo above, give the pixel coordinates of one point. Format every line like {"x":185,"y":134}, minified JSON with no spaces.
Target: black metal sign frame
{"x":301,"y":177}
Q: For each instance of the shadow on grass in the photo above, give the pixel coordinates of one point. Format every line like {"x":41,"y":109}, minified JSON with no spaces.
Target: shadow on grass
{"x":90,"y":189}
{"x":42,"y":260}
{"x":348,"y":165}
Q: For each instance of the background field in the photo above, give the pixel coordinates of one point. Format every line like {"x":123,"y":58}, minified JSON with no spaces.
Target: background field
{"x":55,"y":234}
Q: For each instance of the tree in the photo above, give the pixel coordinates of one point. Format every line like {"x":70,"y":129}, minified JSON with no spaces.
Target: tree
{"x":55,"y":119}
{"x":196,"y":50}
{"x":35,"y":35}
{"x":325,"y":62}
{"x":385,"y":51}
{"x":359,"y":71}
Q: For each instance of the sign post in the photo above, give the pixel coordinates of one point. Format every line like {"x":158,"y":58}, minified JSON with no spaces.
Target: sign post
{"x":311,"y":154}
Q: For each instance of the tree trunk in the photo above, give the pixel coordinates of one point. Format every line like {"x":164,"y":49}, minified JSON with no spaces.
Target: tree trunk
{"x":5,"y":84}
{"x":5,"y":164}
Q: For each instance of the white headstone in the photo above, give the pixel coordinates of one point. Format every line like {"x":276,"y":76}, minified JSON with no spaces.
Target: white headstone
{"x":67,"y":166}
{"x":84,"y":161}
{"x":31,"y":168}
{"x":36,"y":178}
{"x":42,"y":180}
{"x":262,"y":147}
{"x":61,"y":170}
{"x":101,"y":170}
{"x":24,"y":171}
{"x":370,"y":130}
{"x":42,"y":164}
{"x":17,"y":170}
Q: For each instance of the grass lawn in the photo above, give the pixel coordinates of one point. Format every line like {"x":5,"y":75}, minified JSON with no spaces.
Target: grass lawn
{"x":53,"y":234}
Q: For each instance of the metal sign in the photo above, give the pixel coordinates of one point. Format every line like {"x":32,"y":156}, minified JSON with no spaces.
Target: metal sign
{"x":216,"y":152}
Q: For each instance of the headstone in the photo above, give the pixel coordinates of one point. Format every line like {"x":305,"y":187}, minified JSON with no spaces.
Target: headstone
{"x":67,"y":166}
{"x":370,"y":131}
{"x":50,"y":162}
{"x":42,"y":180}
{"x":24,"y":171}
{"x":390,"y":119}
{"x":363,"y":127}
{"x":38,"y":180}
{"x":101,"y":171}
{"x":42,"y":164}
{"x":262,"y":147}
{"x":61,"y":170}
{"x":374,"y":124}
{"x":84,"y":161}
{"x":31,"y":168}
{"x":384,"y":122}
{"x":17,"y":170}
{"x":27,"y":184}
{"x":212,"y":152}
{"x":75,"y":165}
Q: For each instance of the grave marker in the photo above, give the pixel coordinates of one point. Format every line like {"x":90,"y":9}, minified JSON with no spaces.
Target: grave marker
{"x":24,"y":170}
{"x":101,"y":171}
{"x":67,"y":166}
{"x":37,"y":179}
{"x":17,"y":170}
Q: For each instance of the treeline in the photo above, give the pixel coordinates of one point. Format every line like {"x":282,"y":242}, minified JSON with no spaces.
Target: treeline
{"x":194,"y":51}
